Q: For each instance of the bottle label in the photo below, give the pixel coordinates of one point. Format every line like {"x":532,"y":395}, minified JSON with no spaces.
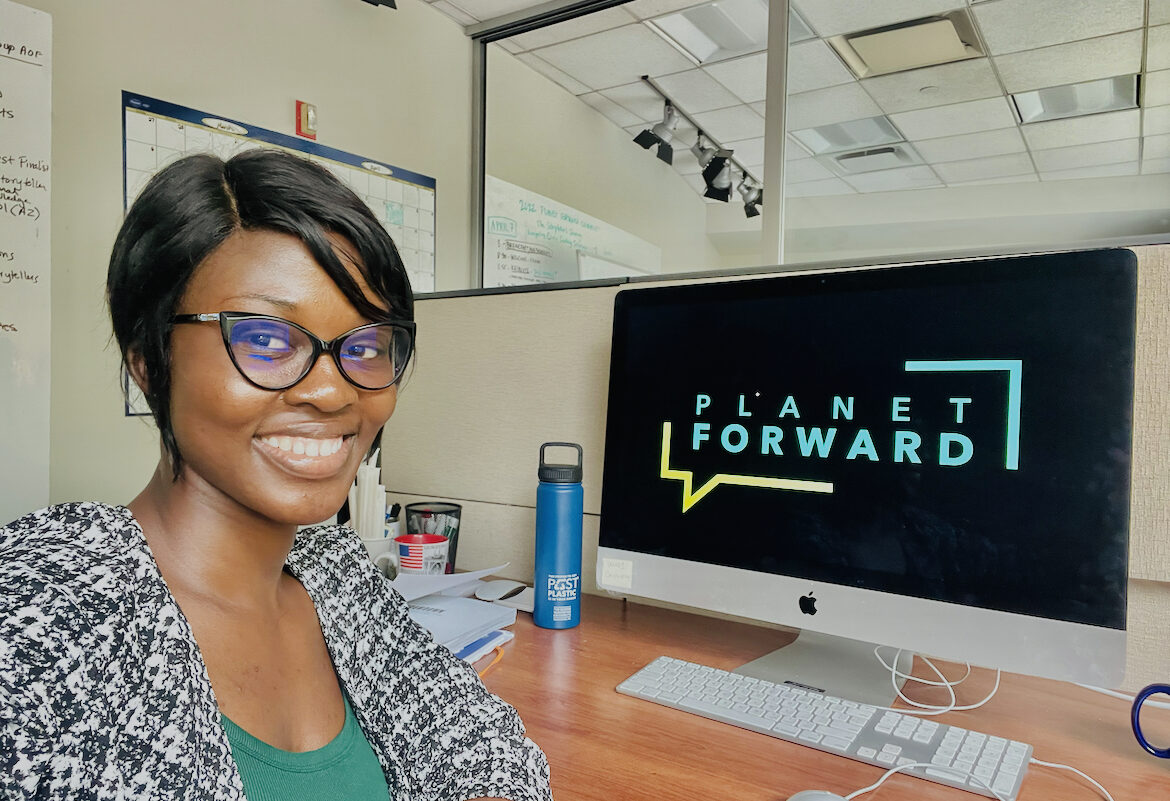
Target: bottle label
{"x":562,"y":613}
{"x":564,"y":587}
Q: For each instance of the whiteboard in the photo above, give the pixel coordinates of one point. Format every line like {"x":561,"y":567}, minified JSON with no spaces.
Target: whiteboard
{"x":25,"y":106}
{"x":156,"y":132}
{"x":532,"y":239}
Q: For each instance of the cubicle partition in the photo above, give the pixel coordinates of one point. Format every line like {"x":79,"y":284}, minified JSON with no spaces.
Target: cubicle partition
{"x":498,"y":374}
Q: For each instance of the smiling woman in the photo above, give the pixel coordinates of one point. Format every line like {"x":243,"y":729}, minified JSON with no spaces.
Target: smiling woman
{"x":192,"y":643}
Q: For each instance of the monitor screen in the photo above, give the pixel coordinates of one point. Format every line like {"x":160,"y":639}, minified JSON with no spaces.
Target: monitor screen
{"x":929,"y":456}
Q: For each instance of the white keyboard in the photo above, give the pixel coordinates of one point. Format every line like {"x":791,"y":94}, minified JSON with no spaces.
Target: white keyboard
{"x":952,"y":756}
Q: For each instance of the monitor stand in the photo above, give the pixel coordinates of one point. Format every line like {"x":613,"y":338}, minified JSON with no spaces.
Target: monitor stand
{"x":835,"y":665}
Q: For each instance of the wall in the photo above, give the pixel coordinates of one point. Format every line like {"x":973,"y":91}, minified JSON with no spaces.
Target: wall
{"x":388,"y":84}
{"x":501,"y":374}
{"x":544,"y":139}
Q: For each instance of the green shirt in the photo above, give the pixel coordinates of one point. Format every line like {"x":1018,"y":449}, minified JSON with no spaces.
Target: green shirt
{"x":344,"y":769}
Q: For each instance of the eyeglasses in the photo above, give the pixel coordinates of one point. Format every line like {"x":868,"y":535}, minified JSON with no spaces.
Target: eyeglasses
{"x":274,"y":353}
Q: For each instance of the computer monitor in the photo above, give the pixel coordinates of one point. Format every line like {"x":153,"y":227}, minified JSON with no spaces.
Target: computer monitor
{"x":933,"y":457}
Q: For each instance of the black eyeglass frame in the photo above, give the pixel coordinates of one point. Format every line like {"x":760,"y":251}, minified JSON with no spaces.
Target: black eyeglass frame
{"x":333,"y":347}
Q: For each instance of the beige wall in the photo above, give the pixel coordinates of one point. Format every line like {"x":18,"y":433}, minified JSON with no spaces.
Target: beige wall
{"x":501,"y":374}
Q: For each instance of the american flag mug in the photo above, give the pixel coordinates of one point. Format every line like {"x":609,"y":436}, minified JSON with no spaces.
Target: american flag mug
{"x":421,"y":553}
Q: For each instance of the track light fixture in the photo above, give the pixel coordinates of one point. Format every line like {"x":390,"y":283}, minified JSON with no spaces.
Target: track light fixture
{"x":661,"y":134}
{"x":753,"y":196}
{"x":716,"y":169}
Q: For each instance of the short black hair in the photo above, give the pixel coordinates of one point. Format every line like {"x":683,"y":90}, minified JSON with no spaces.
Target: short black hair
{"x":191,"y":206}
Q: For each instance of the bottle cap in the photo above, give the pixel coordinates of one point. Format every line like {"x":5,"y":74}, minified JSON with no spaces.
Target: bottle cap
{"x":561,"y":473}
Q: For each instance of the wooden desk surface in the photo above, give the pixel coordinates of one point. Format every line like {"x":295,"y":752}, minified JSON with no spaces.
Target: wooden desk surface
{"x":609,"y":747}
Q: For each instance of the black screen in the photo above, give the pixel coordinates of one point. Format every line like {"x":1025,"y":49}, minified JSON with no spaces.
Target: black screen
{"x":958,"y":432}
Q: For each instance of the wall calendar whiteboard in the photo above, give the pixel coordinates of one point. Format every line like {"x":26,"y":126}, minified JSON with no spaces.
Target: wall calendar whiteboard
{"x":26,"y":37}
{"x":156,"y":132}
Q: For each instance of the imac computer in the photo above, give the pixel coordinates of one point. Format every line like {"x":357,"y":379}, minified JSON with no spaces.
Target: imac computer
{"x":931,"y":457}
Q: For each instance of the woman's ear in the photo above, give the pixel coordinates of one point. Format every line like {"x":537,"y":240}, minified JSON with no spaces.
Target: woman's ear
{"x":136,"y":366}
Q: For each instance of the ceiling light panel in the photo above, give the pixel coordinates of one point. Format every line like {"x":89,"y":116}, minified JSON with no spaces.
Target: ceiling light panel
{"x":1077,"y":100}
{"x":934,"y":86}
{"x":982,"y":169}
{"x":1009,"y":26}
{"x":609,"y":109}
{"x":920,"y":177}
{"x":1156,"y":88}
{"x":829,"y":186}
{"x":971,"y":146}
{"x":1100,"y":171}
{"x":1119,"y":54}
{"x":746,"y":77}
{"x":1067,"y":158}
{"x":851,"y":135}
{"x":1157,"y":121}
{"x":695,"y":91}
{"x":717,"y":30}
{"x":1158,"y":48}
{"x":958,"y":118}
{"x":1083,"y":130}
{"x":574,"y":28}
{"x":731,"y":124}
{"x":612,"y":58}
{"x":922,"y":43}
{"x":833,"y":17}
{"x":567,"y":82}
{"x":826,"y":106}
{"x":814,"y":65}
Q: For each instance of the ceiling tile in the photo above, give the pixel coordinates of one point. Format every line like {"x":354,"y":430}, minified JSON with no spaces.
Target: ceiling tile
{"x":830,"y":186}
{"x":647,"y":9}
{"x":685,"y":162}
{"x":1009,"y":26}
{"x":801,"y":170}
{"x":614,"y":57}
{"x":1067,"y":158}
{"x":747,"y":77}
{"x":827,"y":106}
{"x":955,"y":119}
{"x":1119,"y":54}
{"x":793,"y":149}
{"x":1158,"y":48}
{"x":611,"y":110}
{"x":696,"y":91}
{"x":573,"y":28}
{"x":934,"y":86}
{"x":831,"y":17}
{"x":1083,"y":130}
{"x":1099,"y":171}
{"x":490,"y":9}
{"x":814,"y":65}
{"x":554,"y":74}
{"x":455,"y":13}
{"x":1159,"y":12}
{"x":1156,"y":121}
{"x":1156,"y":88}
{"x":1151,"y":166}
{"x":748,"y":151}
{"x":1030,"y":178}
{"x":919,"y":177}
{"x":971,"y":146}
{"x":760,"y":108}
{"x":1156,"y":147}
{"x":731,"y":124}
{"x":697,"y":183}
{"x":979,"y":169}
{"x":638,"y":98}
{"x":507,"y":44}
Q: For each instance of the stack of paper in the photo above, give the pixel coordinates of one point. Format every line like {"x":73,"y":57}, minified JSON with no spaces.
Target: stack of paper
{"x":367,"y":501}
{"x":458,"y":622}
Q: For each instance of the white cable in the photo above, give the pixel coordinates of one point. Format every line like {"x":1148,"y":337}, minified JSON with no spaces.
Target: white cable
{"x":912,"y":677}
{"x":1125,"y":697}
{"x":930,"y":709}
{"x":909,"y":765}
{"x":1085,"y":776}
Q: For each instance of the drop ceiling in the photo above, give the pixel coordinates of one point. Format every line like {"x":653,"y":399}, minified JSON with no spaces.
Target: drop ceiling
{"x":958,"y":117}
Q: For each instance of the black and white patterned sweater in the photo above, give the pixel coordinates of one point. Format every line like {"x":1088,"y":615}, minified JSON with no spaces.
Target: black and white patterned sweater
{"x":104,"y":694}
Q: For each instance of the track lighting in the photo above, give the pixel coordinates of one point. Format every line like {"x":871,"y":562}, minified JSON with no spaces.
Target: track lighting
{"x":753,"y":196}
{"x":661,"y":134}
{"x":716,"y":169}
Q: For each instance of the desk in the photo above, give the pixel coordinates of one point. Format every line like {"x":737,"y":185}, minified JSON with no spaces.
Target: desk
{"x":603,"y":746}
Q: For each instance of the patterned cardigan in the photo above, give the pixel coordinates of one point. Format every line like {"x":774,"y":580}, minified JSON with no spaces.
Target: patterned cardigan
{"x":104,"y":694}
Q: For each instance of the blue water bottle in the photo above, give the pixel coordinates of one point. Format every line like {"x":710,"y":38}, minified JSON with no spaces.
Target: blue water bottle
{"x":559,"y":508}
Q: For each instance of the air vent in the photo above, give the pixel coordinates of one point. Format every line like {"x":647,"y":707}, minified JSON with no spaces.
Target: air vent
{"x":909,"y":45}
{"x":872,"y":159}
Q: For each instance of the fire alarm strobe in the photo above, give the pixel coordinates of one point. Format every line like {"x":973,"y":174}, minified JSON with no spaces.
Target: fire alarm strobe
{"x":306,"y":120}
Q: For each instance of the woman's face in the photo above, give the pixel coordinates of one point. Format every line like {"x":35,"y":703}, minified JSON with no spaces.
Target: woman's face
{"x":287,"y":455}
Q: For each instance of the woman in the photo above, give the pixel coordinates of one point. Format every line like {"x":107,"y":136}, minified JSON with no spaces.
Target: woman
{"x":192,"y":644}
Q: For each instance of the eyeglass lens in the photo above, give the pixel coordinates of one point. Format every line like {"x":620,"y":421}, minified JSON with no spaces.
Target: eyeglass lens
{"x":274,"y":354}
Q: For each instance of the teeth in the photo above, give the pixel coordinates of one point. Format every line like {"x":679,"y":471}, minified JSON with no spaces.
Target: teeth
{"x":306,"y":446}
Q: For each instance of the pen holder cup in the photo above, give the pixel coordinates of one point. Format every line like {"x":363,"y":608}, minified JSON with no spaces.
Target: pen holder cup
{"x":435,"y":517}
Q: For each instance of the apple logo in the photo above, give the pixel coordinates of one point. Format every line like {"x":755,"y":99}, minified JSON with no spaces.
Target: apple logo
{"x":808,"y":604}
